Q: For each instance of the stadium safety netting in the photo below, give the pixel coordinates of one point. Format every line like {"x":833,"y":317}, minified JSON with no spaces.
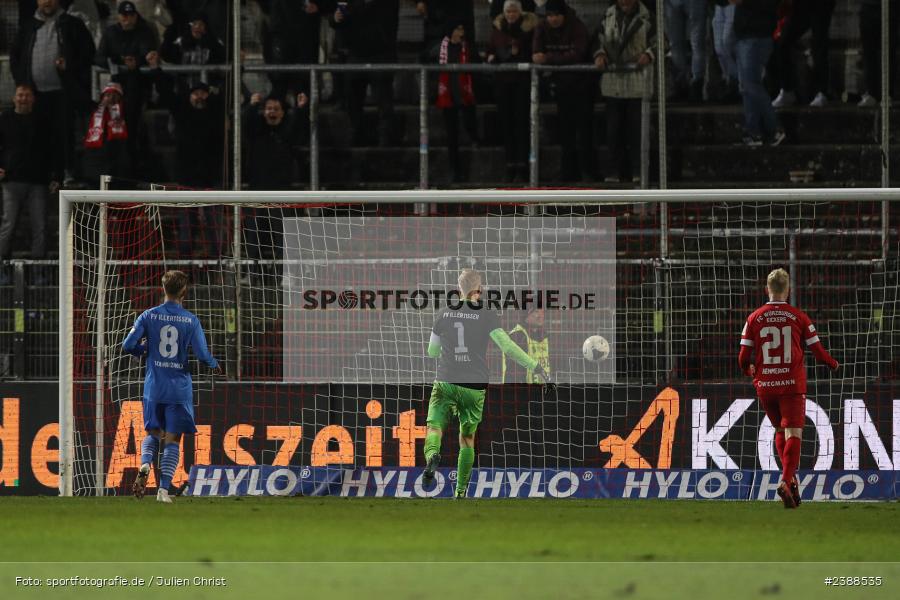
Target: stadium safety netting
{"x":684,"y":277}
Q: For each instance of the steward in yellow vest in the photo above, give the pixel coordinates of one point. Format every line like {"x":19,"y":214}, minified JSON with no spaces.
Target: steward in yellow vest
{"x":532,"y":338}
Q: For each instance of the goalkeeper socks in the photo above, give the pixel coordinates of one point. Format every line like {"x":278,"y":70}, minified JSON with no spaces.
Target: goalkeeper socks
{"x":464,"y":469}
{"x":779,"y":446}
{"x":432,"y":445}
{"x":168,"y":464}
{"x":149,"y":448}
{"x":791,"y":458}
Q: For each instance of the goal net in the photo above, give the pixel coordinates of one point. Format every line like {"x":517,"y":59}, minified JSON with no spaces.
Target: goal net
{"x":311,"y":303}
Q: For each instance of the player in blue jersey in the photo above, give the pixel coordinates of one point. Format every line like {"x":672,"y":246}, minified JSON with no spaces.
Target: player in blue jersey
{"x":164,"y":334}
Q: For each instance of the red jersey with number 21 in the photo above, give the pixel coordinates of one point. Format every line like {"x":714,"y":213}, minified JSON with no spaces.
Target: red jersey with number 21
{"x":779,"y":333}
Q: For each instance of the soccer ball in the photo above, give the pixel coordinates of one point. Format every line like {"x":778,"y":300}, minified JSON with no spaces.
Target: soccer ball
{"x":595,"y":348}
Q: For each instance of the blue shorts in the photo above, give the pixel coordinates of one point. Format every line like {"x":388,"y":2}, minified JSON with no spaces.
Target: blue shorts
{"x":170,"y":418}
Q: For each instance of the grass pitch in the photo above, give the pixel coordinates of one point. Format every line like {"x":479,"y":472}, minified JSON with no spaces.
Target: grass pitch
{"x":423,"y":548}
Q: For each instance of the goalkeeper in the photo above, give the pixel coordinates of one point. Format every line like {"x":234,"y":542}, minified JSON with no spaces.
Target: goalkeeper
{"x":459,"y":341}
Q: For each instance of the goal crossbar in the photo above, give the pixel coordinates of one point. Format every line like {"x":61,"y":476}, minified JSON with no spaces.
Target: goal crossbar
{"x":487,"y":196}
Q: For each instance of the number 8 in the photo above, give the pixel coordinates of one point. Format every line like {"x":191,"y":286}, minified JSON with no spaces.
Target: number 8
{"x":168,"y":341}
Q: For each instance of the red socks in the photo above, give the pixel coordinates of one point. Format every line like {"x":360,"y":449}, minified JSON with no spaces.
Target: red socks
{"x":791,"y":458}
{"x":779,"y":446}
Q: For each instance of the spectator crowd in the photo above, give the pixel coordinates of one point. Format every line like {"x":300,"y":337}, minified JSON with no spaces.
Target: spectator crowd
{"x":57,"y":133}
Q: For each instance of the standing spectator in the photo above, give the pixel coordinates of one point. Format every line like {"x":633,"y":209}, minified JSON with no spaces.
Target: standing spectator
{"x":25,"y":172}
{"x":53,"y":53}
{"x":726,"y":48}
{"x":626,"y":40}
{"x":456,"y":95}
{"x":92,"y":13}
{"x":511,"y":42}
{"x":295,"y":37}
{"x":271,"y":132}
{"x":754,"y":24}
{"x":530,"y":335}
{"x":269,"y":140}
{"x":804,"y":15}
{"x":106,"y":140}
{"x":870,"y":32}
{"x":156,"y":13}
{"x":217,"y":11}
{"x":192,"y":44}
{"x":199,"y":118}
{"x":439,"y":15}
{"x":26,"y":9}
{"x":126,"y":47}
{"x":686,"y":29}
{"x":498,"y":7}
{"x":562,"y":39}
{"x":368,"y":33}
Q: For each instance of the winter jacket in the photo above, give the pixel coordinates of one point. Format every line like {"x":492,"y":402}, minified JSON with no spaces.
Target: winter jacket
{"x":623,"y":38}
{"x":269,"y":151}
{"x":76,"y":47}
{"x":185,"y":50}
{"x":497,"y":7}
{"x":755,"y":19}
{"x":566,"y":45}
{"x":442,"y":13}
{"x":24,"y":148}
{"x":199,"y":135}
{"x":118,"y":43}
{"x":503,"y":36}
{"x":369,"y":29}
{"x":289,"y":18}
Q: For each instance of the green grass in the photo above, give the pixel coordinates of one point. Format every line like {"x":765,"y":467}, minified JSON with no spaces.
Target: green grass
{"x":359,"y":529}
{"x":649,"y":534}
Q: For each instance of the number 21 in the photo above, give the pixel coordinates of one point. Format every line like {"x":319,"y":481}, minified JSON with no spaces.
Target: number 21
{"x":778,"y":336}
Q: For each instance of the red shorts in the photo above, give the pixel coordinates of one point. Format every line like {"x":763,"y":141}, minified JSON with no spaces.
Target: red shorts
{"x":785,"y":411}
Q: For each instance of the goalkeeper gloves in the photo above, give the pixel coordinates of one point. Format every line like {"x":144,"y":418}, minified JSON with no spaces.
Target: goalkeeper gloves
{"x":549,"y":385}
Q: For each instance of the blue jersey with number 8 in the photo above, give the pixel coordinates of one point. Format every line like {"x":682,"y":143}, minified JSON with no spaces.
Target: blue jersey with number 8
{"x":170,"y":331}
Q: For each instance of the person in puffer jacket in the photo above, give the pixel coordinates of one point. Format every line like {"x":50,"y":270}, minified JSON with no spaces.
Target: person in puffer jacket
{"x":511,"y":40}
{"x":626,"y":40}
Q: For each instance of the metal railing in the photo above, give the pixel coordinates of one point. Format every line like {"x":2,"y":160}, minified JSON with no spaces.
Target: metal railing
{"x":423,"y":71}
{"x":533,"y":71}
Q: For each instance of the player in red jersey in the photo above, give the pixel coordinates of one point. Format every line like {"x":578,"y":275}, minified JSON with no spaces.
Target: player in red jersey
{"x":777,"y":333}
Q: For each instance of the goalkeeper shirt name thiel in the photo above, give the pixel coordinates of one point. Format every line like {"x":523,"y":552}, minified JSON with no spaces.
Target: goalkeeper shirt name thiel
{"x":465,"y":334}
{"x":170,"y":330}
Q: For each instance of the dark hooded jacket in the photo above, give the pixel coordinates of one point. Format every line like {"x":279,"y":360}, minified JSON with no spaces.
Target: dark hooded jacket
{"x":76,"y":46}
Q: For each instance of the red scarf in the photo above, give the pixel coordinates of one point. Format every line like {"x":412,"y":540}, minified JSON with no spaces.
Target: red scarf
{"x":106,"y":118}
{"x":445,"y":98}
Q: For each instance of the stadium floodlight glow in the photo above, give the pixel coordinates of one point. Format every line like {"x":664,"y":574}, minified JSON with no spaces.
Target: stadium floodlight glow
{"x":682,"y":285}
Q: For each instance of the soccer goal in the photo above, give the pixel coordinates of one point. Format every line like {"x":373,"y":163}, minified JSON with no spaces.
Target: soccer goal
{"x":320,"y":306}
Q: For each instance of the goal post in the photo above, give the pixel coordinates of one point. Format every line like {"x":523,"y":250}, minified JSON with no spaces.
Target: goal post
{"x":345,"y":388}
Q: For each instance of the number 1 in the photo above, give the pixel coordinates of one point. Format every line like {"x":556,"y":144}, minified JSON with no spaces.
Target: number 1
{"x":460,"y":338}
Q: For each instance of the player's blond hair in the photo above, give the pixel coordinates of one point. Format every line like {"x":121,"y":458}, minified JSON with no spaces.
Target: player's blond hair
{"x":469,"y":280}
{"x":778,"y":281}
{"x":175,"y":283}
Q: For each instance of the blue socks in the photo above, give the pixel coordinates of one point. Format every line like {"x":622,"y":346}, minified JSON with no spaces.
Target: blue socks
{"x":169,"y":462}
{"x":149,"y":448}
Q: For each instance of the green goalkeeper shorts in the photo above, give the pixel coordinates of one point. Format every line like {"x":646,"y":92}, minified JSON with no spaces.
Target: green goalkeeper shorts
{"x":449,"y":399}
